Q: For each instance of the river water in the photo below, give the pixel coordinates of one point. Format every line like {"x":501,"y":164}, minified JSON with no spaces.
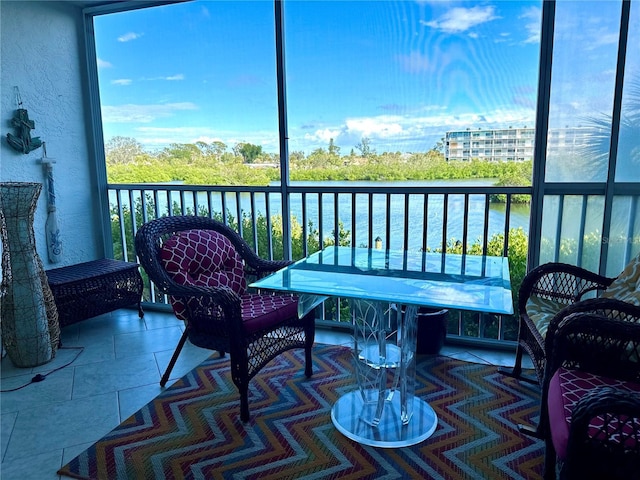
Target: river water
{"x":519,"y":215}
{"x":414,"y":216}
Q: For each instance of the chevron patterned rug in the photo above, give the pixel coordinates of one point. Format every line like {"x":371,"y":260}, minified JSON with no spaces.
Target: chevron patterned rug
{"x":193,"y":430}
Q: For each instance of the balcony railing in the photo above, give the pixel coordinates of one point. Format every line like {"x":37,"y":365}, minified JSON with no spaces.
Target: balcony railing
{"x":459,"y":219}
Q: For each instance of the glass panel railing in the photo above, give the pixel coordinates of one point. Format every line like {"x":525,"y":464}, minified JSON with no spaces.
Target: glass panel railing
{"x":624,"y":239}
{"x":572,"y":230}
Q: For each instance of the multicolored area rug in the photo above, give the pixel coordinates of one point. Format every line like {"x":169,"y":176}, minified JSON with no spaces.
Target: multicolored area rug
{"x":193,"y":429}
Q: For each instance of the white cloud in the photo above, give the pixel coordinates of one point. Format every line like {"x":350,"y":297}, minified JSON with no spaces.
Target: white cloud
{"x":121,"y":81}
{"x":160,"y":137}
{"x":127,"y":37}
{"x":170,"y":78}
{"x":382,"y":126}
{"x":103,"y":63}
{"x":133,"y":113}
{"x":323,"y":135}
{"x":602,"y":38}
{"x":461,"y":19}
{"x":532,"y":16}
{"x":164,"y":136}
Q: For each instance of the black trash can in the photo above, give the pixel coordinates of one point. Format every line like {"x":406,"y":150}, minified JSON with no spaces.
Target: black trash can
{"x":432,"y":330}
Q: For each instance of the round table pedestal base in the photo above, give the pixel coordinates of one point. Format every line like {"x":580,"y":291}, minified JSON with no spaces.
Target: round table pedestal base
{"x":390,"y":433}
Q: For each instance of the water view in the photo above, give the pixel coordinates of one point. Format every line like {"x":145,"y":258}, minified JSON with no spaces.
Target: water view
{"x":387,"y":211}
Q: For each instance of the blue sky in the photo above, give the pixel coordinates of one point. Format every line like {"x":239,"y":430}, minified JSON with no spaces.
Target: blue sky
{"x":400,"y":73}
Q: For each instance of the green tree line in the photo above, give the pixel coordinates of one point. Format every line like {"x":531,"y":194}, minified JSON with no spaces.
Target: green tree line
{"x":215,"y":163}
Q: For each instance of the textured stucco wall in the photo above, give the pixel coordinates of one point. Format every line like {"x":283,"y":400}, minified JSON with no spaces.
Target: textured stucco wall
{"x":43,"y":54}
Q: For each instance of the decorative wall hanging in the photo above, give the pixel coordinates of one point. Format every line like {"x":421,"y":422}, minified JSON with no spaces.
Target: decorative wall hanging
{"x":22,"y":142}
{"x":30,"y":329}
{"x":52,"y":232}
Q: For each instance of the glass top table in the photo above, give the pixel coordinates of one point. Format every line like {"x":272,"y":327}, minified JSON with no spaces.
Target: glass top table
{"x":464,"y":282}
{"x":383,"y":410}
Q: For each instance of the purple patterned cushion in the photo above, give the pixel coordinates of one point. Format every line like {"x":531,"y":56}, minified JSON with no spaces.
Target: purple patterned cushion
{"x":203,"y":258}
{"x":565,"y":389}
{"x":260,"y":311}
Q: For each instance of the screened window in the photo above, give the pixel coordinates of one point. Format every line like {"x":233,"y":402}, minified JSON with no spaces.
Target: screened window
{"x":628,"y":164}
{"x":585,"y":49}
{"x":393,"y":77}
{"x":187,"y":89}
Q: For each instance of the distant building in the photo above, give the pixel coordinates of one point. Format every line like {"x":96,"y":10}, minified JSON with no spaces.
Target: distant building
{"x":497,"y":145}
{"x":511,"y":144}
{"x":571,"y":140}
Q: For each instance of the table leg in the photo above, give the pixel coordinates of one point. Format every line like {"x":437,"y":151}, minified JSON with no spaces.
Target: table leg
{"x":383,"y":411}
{"x":407,"y":333}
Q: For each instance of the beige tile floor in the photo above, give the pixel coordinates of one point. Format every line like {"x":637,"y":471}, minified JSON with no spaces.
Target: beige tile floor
{"x":48,"y":423}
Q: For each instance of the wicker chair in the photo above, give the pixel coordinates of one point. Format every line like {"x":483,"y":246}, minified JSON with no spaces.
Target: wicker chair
{"x":590,"y":412}
{"x":203,"y":265}
{"x":553,"y":291}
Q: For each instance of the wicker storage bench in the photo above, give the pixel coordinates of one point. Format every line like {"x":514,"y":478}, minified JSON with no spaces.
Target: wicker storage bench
{"x":92,"y":288}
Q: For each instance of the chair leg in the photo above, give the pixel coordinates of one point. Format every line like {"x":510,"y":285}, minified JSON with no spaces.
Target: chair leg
{"x":308,"y":362}
{"x":549,"y":461}
{"x":516,"y":370}
{"x":244,"y":403}
{"x":309,"y":337}
{"x":172,"y":362}
{"x":535,"y":432}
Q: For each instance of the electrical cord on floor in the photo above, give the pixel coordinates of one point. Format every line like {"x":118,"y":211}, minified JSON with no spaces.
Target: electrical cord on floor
{"x":481,"y":360}
{"x":39,"y":377}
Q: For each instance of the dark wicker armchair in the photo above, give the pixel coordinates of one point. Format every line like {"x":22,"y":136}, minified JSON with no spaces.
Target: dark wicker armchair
{"x":553,"y":291}
{"x":204,"y":266}
{"x":590,"y":412}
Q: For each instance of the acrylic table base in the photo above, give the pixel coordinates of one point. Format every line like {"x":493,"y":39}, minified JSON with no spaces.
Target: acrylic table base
{"x":383,"y":410}
{"x":390,"y":432}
